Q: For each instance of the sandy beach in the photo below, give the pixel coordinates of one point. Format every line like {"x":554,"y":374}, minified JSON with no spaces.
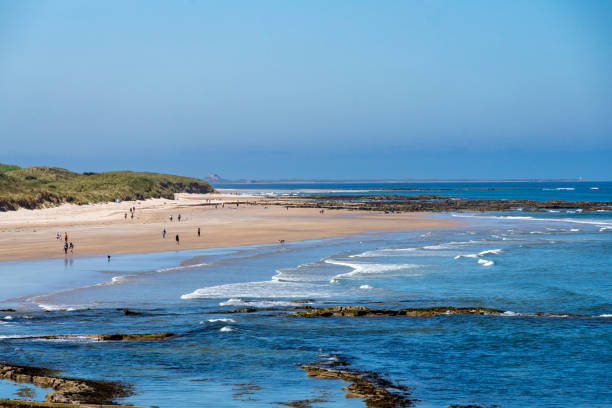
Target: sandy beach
{"x":103,"y":228}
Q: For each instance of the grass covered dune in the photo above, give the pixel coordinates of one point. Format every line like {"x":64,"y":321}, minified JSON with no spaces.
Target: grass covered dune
{"x":36,"y":187}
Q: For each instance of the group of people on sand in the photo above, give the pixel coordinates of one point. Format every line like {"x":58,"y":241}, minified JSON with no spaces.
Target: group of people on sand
{"x":67,"y":246}
{"x":132,"y":213}
{"x":178,"y":217}
{"x":177,"y":239}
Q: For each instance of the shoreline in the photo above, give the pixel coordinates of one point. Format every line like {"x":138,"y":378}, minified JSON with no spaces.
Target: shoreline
{"x":100,"y":229}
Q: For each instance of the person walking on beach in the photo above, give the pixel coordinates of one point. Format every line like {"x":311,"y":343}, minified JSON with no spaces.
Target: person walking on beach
{"x":177,"y":239}
{"x":164,"y":233}
{"x":198,"y":232}
{"x":71,"y":248}
{"x":58,"y":236}
{"x":179,"y":217}
{"x":170,"y":218}
{"x":125,"y":216}
{"x":66,"y":247}
{"x":66,"y":237}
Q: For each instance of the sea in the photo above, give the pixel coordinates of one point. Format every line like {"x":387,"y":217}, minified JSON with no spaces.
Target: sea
{"x":550,"y":272}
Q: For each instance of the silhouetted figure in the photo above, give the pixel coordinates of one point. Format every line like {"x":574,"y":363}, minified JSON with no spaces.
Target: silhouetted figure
{"x":108,"y":258}
{"x":71,"y":248}
{"x":66,"y":248}
{"x":179,"y":217}
{"x":170,"y":218}
{"x":164,"y":233}
{"x":177,"y":240}
{"x":198,"y":232}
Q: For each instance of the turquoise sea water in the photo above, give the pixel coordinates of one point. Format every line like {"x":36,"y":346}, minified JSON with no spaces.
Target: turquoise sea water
{"x":556,"y":263}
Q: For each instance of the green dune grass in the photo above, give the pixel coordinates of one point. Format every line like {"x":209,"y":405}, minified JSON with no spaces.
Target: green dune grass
{"x":36,"y":187}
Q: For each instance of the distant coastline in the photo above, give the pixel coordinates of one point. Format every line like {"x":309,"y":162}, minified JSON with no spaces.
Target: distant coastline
{"x":215,"y":179}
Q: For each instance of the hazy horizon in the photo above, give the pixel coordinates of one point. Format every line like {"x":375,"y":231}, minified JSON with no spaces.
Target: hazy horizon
{"x":342,"y":90}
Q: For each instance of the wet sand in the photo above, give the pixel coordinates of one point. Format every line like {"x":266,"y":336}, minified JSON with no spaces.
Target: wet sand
{"x":102,"y":228}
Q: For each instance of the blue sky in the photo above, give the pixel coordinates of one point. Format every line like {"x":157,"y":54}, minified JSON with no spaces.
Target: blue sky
{"x":342,"y":89}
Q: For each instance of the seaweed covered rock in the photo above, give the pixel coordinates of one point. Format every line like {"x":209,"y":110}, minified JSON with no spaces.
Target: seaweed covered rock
{"x":369,"y":386}
{"x":358,"y":311}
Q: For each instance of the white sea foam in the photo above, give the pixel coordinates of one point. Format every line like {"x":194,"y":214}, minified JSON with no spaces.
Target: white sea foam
{"x":605,"y":315}
{"x":226,"y":320}
{"x":178,"y":268}
{"x":366,"y":287}
{"x":263,"y":290}
{"x":482,"y":253}
{"x":485,"y":262}
{"x":559,"y":189}
{"x":55,"y":308}
{"x":226,"y":329}
{"x":594,"y":188}
{"x":574,"y":230}
{"x":385,"y":252}
{"x":256,"y":303}
{"x":511,"y":313}
{"x":367,"y":268}
{"x":467,"y":256}
{"x":9,"y":317}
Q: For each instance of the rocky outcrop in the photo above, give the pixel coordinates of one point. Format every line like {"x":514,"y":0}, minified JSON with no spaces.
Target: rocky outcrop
{"x":242,"y":310}
{"x":65,"y":390}
{"x":12,"y":403}
{"x":359,"y":311}
{"x":430,"y":203}
{"x":109,"y":336}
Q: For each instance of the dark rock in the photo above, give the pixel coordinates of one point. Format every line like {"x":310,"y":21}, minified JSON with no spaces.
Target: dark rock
{"x":65,"y":390}
{"x":243,"y":310}
{"x":369,"y":386}
{"x":129,"y":312}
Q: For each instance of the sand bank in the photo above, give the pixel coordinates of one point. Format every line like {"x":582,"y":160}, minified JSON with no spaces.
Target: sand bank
{"x":103,"y":228}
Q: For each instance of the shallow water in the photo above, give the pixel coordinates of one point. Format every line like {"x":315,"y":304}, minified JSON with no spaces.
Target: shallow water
{"x":521,"y":265}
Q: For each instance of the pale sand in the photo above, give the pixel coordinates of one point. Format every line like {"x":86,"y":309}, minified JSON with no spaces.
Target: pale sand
{"x":102,"y":229}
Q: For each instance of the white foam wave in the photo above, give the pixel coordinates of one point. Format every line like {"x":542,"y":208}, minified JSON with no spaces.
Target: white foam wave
{"x":384,"y":252}
{"x":225,"y":320}
{"x":559,"y":189}
{"x":178,"y":268}
{"x":467,"y":256}
{"x":563,"y":220}
{"x":367,"y":268}
{"x":485,"y":262}
{"x":263,"y":290}
{"x":9,"y":317}
{"x":605,"y":315}
{"x":511,"y":313}
{"x":256,"y":303}
{"x":226,"y":329}
{"x":366,"y":287}
{"x":482,"y":253}
{"x":594,"y":188}
{"x":55,"y":308}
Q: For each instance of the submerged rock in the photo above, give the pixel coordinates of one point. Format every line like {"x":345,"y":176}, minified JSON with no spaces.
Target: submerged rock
{"x":369,"y":386}
{"x":65,"y":390}
{"x":359,"y":311}
{"x":242,"y":310}
{"x":129,"y":312}
{"x":109,"y":336}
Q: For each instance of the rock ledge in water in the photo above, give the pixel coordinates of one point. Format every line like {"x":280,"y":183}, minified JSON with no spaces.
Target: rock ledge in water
{"x":359,"y":311}
{"x":369,"y":386}
{"x":65,"y":390}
